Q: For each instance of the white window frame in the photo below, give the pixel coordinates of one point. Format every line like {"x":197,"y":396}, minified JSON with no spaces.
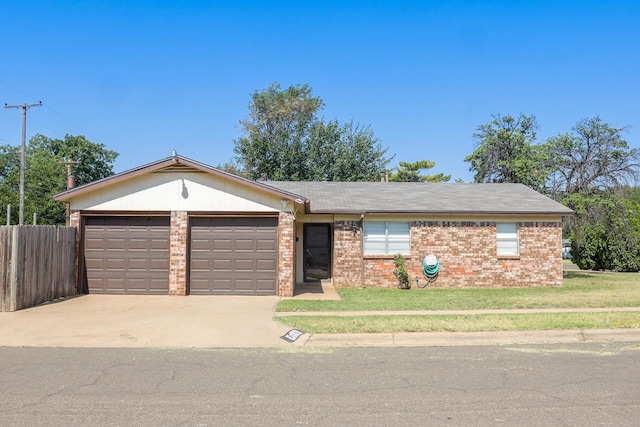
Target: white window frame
{"x":507,"y":239}
{"x":386,"y":238}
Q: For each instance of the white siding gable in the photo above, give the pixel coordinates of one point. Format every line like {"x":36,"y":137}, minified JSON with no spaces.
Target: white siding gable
{"x":177,"y":191}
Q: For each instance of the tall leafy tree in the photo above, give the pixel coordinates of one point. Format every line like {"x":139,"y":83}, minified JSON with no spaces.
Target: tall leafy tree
{"x":592,"y":156}
{"x":274,"y":133}
{"x":591,"y":166}
{"x":342,"y":152}
{"x":46,"y":174}
{"x":283,"y":139}
{"x":93,"y":161}
{"x":506,"y":152}
{"x":412,"y":172}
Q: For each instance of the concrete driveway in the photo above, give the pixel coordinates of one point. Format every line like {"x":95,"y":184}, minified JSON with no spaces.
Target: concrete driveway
{"x":146,"y":321}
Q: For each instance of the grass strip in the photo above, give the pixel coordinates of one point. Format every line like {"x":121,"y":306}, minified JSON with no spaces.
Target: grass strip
{"x":462,"y":323}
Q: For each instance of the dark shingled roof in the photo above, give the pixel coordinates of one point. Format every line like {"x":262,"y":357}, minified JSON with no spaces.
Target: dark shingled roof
{"x":419,"y":197}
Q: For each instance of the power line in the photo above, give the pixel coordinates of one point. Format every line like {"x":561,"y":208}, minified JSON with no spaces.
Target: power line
{"x":24,"y":108}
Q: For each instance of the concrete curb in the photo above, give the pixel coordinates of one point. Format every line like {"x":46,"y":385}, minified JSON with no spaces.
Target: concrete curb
{"x":451,"y":339}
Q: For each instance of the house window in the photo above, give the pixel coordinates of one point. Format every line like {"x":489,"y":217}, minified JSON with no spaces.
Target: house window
{"x":507,"y":239}
{"x":386,"y":238}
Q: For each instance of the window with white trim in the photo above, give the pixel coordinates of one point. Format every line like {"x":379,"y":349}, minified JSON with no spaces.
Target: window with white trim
{"x":507,"y":239}
{"x":386,"y":238}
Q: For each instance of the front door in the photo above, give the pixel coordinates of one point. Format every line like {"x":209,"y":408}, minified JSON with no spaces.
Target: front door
{"x":317,"y":252}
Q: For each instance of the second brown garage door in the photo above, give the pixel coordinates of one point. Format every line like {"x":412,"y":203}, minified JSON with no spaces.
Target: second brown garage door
{"x":234,"y":256}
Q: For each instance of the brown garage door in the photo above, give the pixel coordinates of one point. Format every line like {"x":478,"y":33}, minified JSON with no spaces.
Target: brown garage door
{"x":127,"y":255}
{"x":233,"y":256}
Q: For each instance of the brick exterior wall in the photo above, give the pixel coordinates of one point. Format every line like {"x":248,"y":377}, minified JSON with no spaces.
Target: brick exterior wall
{"x":347,"y":254}
{"x":286,"y":254}
{"x":466,"y":251}
{"x":178,"y":233}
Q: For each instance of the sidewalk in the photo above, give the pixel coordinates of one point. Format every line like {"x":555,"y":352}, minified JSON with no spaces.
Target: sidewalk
{"x":452,"y":312}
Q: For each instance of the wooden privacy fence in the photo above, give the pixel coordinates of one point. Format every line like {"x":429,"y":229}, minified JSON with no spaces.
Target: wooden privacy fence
{"x":37,"y":265}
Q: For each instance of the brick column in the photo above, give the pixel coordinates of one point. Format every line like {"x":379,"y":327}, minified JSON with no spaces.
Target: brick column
{"x":178,"y":253}
{"x":286,"y":258}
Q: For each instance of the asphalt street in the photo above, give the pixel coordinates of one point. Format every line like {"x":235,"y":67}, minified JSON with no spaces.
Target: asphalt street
{"x":577,"y":384}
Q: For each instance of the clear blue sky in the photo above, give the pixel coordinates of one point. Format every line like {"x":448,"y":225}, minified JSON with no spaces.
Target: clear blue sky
{"x":146,"y":77}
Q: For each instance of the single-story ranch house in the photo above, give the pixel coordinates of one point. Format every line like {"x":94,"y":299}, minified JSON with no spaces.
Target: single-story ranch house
{"x":180,"y":227}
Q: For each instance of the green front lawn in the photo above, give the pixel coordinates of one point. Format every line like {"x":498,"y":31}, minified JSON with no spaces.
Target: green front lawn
{"x":581,"y":289}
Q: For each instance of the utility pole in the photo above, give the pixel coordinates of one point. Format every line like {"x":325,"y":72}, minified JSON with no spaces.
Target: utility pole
{"x":24,"y":107}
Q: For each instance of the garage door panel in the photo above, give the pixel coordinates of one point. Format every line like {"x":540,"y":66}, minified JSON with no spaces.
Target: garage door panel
{"x":266,"y":245}
{"x":137,"y":264}
{"x":114,"y":244}
{"x":244,"y":285}
{"x":200,"y":265}
{"x":94,"y":244}
{"x":158,"y":265}
{"x":221,"y":265}
{"x":114,"y":264}
{"x":200,"y":245}
{"x":243,"y":265}
{"x":127,"y":255}
{"x":266,"y":265}
{"x":246,"y":245}
{"x":242,"y":255}
{"x":94,"y":264}
{"x":264,"y":285}
{"x":223,"y":245}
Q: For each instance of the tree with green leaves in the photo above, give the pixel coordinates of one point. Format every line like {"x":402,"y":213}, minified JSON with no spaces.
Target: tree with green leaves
{"x":593,"y":156}
{"x":605,"y":232}
{"x":591,"y":167}
{"x":46,"y":173}
{"x":506,"y":152}
{"x":412,"y":172}
{"x":283,"y":139}
{"x":342,"y":152}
